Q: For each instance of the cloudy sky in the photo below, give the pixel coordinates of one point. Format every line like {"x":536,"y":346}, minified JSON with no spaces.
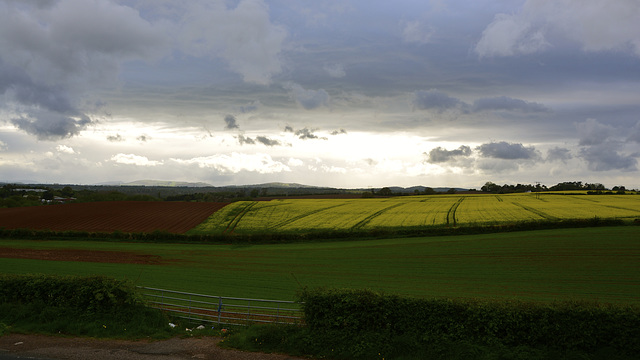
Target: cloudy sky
{"x":344,"y":93}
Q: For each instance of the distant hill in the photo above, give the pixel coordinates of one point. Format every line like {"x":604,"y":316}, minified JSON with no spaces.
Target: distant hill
{"x":278,"y":185}
{"x":165,"y":183}
{"x":272,"y":188}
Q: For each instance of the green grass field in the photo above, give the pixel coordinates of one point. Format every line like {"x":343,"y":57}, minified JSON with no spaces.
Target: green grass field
{"x":584,"y":264}
{"x":294,"y":215}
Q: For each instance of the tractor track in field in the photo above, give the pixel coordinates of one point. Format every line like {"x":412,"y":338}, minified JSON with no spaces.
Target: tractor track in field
{"x":234,"y":223}
{"x":542,"y":214}
{"x":451,"y":214}
{"x":368,"y":219}
{"x":301,"y":216}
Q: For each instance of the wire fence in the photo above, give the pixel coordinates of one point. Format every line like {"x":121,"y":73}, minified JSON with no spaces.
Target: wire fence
{"x":222,"y":310}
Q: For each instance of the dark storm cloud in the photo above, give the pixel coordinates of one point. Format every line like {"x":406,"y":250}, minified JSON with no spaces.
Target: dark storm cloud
{"x":507,"y":104}
{"x":50,"y":112}
{"x":307,"y":134}
{"x":634,"y":134}
{"x":339,"y":132}
{"x":264,"y":140}
{"x":592,"y":132}
{"x":559,"y":154}
{"x":231,"y":123}
{"x":53,"y":52}
{"x":606,"y":156}
{"x":435,"y":100}
{"x":51,"y":126}
{"x":245,"y":140}
{"x":143,"y":138}
{"x":440,"y":155}
{"x":267,"y":141}
{"x":507,"y":151}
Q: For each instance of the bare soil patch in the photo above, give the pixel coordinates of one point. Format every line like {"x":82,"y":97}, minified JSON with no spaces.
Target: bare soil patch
{"x":125,"y":216}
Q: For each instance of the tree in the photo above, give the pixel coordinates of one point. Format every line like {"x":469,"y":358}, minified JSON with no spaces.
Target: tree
{"x":490,"y":187}
{"x":385,"y":191}
{"x":47,"y":195}
{"x":66,"y":191}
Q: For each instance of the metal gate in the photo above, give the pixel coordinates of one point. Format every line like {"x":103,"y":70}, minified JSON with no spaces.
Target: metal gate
{"x":222,"y":310}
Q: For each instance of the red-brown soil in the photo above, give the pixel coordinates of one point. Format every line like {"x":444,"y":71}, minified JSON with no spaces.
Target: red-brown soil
{"x":125,"y":216}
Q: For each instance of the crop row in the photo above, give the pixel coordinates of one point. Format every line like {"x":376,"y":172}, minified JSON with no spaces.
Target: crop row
{"x":290,"y":215}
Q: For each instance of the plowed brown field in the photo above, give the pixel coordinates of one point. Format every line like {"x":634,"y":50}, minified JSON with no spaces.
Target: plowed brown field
{"x":125,"y":216}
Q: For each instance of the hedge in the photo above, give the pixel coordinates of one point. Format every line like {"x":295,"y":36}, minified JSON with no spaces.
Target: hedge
{"x":308,"y":235}
{"x":91,"y":294}
{"x":360,"y":315}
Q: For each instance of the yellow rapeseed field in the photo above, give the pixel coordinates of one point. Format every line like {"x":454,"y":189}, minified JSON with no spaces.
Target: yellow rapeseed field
{"x":282,"y":215}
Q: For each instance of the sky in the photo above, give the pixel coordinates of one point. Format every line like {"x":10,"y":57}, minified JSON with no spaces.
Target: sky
{"x":344,"y":93}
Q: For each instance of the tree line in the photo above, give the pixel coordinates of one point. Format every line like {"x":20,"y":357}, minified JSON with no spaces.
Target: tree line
{"x":591,"y":188}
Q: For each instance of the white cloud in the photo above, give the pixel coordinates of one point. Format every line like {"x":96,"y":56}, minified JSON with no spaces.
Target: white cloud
{"x":65,"y":149}
{"x":333,"y":169}
{"x":335,"y":70}
{"x":131,"y":159}
{"x":417,"y":32}
{"x":3,"y":146}
{"x":595,"y":25}
{"x":510,"y":35}
{"x":293,"y":162}
{"x":244,"y":37}
{"x":236,"y":162}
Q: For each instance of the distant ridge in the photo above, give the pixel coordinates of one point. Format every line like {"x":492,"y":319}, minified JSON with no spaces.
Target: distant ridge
{"x":165,"y":183}
{"x":280,"y":185}
{"x":271,"y":185}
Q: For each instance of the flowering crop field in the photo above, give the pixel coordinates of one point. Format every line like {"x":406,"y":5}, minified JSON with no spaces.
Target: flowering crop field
{"x":290,"y":215}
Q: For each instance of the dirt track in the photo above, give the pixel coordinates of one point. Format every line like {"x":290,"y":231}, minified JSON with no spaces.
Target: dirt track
{"x":16,"y":346}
